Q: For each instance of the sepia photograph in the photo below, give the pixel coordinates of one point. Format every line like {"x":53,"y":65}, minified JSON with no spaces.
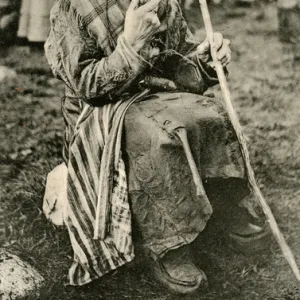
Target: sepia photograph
{"x":149,"y":149}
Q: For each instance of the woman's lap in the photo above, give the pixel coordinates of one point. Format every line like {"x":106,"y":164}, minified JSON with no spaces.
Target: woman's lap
{"x":162,"y":193}
{"x":161,"y":188}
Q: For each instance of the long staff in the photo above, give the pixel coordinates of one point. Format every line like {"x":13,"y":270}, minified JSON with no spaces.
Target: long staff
{"x":238,"y":129}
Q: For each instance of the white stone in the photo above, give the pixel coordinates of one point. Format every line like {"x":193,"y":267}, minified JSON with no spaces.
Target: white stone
{"x":55,"y":198}
{"x":8,"y":20}
{"x":7,"y":74}
{"x":17,"y":278}
{"x":288,"y":3}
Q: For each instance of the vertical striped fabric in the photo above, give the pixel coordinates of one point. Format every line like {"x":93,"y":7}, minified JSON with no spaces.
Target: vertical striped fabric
{"x":99,"y":216}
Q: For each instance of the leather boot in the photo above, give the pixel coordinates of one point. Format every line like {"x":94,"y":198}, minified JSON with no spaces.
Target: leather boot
{"x":177,"y":272}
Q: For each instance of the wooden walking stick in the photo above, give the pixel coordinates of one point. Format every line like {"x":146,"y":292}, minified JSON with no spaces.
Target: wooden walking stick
{"x":243,"y":146}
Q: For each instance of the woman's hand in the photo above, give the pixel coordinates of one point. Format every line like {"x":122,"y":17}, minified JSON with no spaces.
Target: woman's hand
{"x":141,"y":23}
{"x":222,"y":47}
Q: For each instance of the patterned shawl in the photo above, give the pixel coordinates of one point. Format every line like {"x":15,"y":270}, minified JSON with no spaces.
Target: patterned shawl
{"x":103,"y":18}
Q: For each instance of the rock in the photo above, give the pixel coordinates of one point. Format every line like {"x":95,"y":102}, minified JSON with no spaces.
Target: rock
{"x":8,"y":21}
{"x":8,"y":25}
{"x":7,"y":74}
{"x":55,"y":198}
{"x":17,"y":278}
{"x":288,"y":3}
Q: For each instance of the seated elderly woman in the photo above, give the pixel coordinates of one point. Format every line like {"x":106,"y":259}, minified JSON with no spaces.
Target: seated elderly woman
{"x":147,"y":154}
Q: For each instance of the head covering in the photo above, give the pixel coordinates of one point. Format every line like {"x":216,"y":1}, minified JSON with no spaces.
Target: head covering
{"x":104,"y":19}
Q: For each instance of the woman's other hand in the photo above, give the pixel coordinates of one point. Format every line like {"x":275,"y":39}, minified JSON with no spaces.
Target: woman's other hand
{"x":141,"y":23}
{"x":222,"y":47}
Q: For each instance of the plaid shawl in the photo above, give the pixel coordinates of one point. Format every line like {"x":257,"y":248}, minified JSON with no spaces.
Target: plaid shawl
{"x":104,"y":19}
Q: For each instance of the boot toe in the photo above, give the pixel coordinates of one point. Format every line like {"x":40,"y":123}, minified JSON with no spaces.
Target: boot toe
{"x":178,"y":273}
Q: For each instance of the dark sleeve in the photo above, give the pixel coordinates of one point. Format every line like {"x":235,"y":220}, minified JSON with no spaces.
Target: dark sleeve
{"x":183,"y":65}
{"x":187,"y":47}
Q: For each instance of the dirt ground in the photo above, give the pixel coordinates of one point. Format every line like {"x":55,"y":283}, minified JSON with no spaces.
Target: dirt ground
{"x":265,"y":89}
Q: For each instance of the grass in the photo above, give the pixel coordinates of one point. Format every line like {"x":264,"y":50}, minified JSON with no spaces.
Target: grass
{"x":265,"y":90}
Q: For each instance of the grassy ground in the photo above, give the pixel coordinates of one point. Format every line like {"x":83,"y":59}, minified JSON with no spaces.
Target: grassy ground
{"x":265,"y":89}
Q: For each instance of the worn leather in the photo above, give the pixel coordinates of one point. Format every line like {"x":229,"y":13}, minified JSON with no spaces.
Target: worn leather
{"x":167,"y":212}
{"x":177,"y":271}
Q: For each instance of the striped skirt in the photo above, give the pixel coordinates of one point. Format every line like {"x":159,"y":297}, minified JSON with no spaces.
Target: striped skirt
{"x":145,"y":171}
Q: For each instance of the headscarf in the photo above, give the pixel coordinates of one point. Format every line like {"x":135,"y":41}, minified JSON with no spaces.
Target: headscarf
{"x":104,"y":19}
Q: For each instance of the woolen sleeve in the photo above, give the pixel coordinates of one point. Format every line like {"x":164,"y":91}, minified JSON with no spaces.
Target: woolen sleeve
{"x":81,"y":64}
{"x":187,"y":43}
